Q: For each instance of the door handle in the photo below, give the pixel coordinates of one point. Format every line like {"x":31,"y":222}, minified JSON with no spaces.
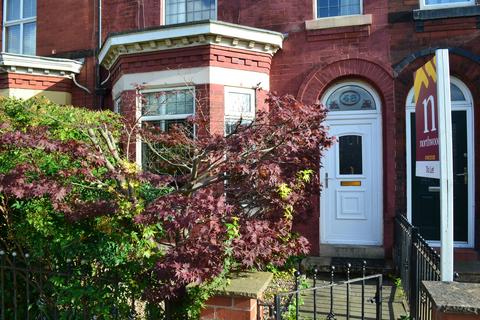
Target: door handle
{"x":433,"y":189}
{"x":464,"y":175}
{"x":326,"y":180}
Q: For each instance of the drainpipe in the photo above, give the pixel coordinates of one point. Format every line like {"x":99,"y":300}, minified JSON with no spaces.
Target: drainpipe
{"x":99,"y":23}
{"x":99,"y":89}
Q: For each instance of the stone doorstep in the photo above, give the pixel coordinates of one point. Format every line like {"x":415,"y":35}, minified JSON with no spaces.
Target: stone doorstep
{"x":323,"y":265}
{"x":352,"y":251}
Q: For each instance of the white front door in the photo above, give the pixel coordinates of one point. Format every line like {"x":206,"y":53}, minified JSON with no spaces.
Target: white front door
{"x":351,"y":192}
{"x":351,"y":176}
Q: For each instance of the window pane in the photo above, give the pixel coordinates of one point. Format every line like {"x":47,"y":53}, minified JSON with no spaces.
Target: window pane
{"x":350,"y":154}
{"x":175,"y":11}
{"x":429,"y":2}
{"x":29,"y":36}
{"x":232,"y":124}
{"x":349,"y":7}
{"x":332,"y":8}
{"x":168,"y":103}
{"x":29,"y":8}
{"x":456,"y":93}
{"x":117,"y":107}
{"x":350,"y":98}
{"x":238,"y":103}
{"x":150,"y":160}
{"x":13,"y":10}
{"x":13,"y":39}
{"x":178,"y":11}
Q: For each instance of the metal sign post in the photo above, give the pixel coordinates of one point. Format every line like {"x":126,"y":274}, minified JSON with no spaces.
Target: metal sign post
{"x":446,"y":164}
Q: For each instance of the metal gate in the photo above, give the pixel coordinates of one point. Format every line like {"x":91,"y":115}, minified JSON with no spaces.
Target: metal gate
{"x":359,"y":298}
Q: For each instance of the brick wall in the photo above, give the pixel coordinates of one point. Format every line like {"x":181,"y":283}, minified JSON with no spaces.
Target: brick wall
{"x":68,"y":28}
{"x":454,"y":316}
{"x":34,"y":82}
{"x":65,"y":25}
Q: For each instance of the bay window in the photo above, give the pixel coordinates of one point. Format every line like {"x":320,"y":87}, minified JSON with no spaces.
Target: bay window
{"x":20,"y":26}
{"x":332,"y":8}
{"x":180,"y":11}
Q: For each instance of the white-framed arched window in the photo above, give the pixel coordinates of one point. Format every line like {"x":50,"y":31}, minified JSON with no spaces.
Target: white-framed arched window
{"x":464,"y":167}
{"x":351,"y":98}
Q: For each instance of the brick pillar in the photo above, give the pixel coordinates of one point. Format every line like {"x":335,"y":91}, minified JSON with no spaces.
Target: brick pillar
{"x":453,"y":300}
{"x":454,"y":316}
{"x":230,"y":308}
{"x":238,"y":300}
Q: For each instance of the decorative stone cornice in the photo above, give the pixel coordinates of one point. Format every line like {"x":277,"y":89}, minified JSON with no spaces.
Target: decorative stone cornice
{"x":189,"y":35}
{"x":36,"y":65}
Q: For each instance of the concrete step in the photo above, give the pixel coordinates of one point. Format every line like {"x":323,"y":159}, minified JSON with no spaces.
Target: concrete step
{"x":323,"y":265}
{"x":352,"y":251}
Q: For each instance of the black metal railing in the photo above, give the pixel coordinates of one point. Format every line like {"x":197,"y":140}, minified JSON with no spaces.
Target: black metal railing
{"x":30,"y":291}
{"x":329,"y":299}
{"x":415,"y":261}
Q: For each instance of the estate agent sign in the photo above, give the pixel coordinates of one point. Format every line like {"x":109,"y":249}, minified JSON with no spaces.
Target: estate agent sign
{"x":426,"y":115}
{"x":434,"y":144}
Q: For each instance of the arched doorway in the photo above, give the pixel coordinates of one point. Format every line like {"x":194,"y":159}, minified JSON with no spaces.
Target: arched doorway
{"x":423,"y":196}
{"x":351,"y":199}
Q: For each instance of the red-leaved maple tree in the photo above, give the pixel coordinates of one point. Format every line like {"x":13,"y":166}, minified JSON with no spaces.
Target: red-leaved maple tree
{"x":230,"y":202}
{"x":253,"y":180}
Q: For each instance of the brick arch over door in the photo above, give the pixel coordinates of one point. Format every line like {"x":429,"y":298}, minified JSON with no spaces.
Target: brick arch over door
{"x":381,"y":78}
{"x":320,"y":78}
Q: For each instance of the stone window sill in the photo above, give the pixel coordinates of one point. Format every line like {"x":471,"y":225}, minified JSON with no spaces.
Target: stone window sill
{"x":445,"y":13}
{"x":338,"y":22}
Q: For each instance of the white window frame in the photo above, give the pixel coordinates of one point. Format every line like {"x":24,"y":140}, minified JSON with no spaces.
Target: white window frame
{"x":117,"y":105}
{"x":164,"y":13}
{"x":20,"y":22}
{"x":141,"y":118}
{"x":424,"y":6}
{"x":236,"y":116}
{"x":315,"y":11}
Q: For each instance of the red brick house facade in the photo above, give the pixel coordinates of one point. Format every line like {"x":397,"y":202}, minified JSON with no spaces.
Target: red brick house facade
{"x":357,"y":57}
